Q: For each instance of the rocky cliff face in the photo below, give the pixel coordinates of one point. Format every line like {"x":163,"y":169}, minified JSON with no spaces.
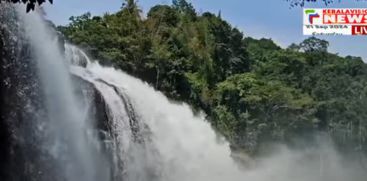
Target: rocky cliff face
{"x":20,"y":103}
{"x":22,"y":111}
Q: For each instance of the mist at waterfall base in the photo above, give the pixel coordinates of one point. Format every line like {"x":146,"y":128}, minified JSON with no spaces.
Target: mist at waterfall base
{"x":151,"y":137}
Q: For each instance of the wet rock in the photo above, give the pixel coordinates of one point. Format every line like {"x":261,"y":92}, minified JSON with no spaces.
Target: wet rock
{"x":21,"y":157}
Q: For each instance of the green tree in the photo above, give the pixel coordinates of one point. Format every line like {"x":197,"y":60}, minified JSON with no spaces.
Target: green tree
{"x":314,"y":44}
{"x":252,"y":90}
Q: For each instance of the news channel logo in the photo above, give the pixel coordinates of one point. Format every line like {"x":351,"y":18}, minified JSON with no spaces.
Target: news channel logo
{"x":332,"y":21}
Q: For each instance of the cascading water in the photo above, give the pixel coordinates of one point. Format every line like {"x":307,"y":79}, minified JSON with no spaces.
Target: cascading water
{"x":148,"y":137}
{"x":134,"y":156}
{"x":71,"y":140}
{"x":178,"y":145}
{"x":182,"y":145}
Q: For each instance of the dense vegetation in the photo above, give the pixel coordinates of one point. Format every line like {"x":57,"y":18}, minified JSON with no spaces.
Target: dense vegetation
{"x":253,"y":91}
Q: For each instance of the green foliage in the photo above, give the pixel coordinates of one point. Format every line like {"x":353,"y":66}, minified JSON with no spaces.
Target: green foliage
{"x":184,"y":7}
{"x":260,"y":109}
{"x":253,"y":91}
{"x":314,"y":44}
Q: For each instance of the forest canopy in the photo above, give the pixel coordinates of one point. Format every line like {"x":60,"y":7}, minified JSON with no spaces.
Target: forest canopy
{"x":252,"y":90}
{"x":31,"y":4}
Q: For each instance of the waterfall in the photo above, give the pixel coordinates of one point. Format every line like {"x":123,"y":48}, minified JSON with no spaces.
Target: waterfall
{"x":70,"y":135}
{"x":182,"y":144}
{"x":148,"y":137}
{"x":176,"y":144}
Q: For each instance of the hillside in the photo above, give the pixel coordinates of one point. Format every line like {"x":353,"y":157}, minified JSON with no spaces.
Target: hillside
{"x":253,"y":91}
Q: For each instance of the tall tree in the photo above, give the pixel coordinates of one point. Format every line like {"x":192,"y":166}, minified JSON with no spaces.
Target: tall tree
{"x":314,"y":44}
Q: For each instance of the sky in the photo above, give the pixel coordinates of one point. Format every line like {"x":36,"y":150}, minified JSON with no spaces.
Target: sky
{"x":273,"y":19}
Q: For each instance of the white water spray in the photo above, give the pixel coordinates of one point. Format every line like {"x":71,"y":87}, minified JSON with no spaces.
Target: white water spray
{"x":186,"y":148}
{"x":69,"y":141}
